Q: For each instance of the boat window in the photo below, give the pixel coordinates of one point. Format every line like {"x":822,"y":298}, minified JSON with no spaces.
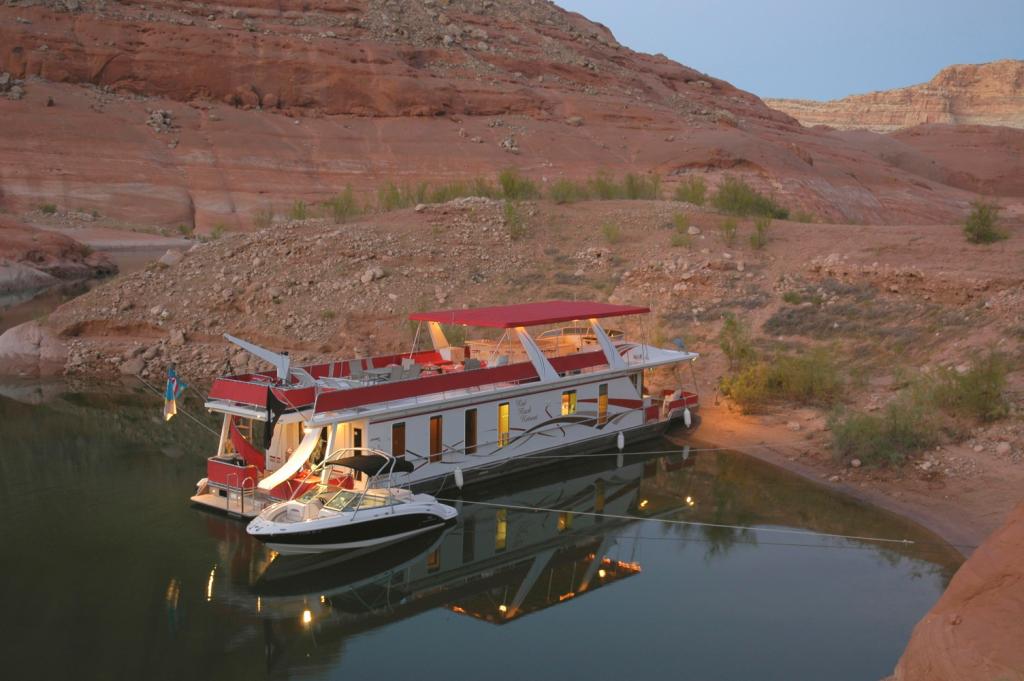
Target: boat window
{"x":435,"y":438}
{"x":434,"y":560}
{"x":638,"y":382}
{"x":501,"y":530}
{"x":470,"y":441}
{"x":503,"y":424}
{"x":568,"y":402}
{"x":398,"y":440}
{"x":564,"y":521}
{"x":350,"y":501}
{"x":602,"y":404}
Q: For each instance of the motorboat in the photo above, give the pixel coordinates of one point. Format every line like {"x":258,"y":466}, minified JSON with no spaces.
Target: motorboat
{"x":349,"y":501}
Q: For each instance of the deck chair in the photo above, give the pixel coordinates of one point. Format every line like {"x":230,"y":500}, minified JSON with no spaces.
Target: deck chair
{"x":408,"y":362}
{"x":470,"y":364}
{"x":355,"y":369}
{"x":412,"y":371}
{"x":397,"y":373}
{"x":501,"y":361}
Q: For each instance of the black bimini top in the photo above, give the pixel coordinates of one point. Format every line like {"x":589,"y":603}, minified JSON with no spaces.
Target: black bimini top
{"x":372,"y":464}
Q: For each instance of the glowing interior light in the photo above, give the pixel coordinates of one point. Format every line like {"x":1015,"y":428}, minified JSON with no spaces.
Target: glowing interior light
{"x":502,"y":608}
{"x":307,"y":616}
{"x":323,"y":599}
{"x":601,"y":573}
{"x":643,"y":503}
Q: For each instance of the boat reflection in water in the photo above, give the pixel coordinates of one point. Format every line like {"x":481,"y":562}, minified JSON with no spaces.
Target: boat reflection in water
{"x":503,"y":561}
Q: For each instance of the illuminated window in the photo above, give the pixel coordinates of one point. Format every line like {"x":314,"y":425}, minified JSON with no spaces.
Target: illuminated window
{"x":602,"y":404}
{"x":501,"y":530}
{"x":503,"y":424}
{"x":435,"y":438}
{"x":434,"y":560}
{"x":398,"y":440}
{"x":470,"y":431}
{"x":568,"y":402}
{"x":564,"y":521}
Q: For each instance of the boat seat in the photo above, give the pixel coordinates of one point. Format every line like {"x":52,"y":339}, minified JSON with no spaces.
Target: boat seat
{"x":470,"y":364}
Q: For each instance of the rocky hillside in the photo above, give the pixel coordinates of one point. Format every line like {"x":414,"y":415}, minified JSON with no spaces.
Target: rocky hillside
{"x":965,"y":94}
{"x":33,"y":259}
{"x":201,"y":114}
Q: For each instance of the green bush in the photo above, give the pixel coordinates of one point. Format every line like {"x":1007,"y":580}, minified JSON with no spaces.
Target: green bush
{"x":343,"y":207}
{"x":612,"y":232}
{"x":982,"y":225}
{"x":736,"y":197}
{"x":263,"y":218}
{"x":692,"y":190}
{"x":218,"y":231}
{"x":681,"y":240}
{"x":681,"y":236}
{"x":641,"y":187}
{"x":48,"y":209}
{"x":604,"y":187}
{"x":735,"y":342}
{"x":977,"y":393}
{"x":803,"y":216}
{"x":516,"y":187}
{"x":298,"y":211}
{"x":759,"y":238}
{"x":514,"y":221}
{"x":567,"y":191}
{"x":186,"y":230}
{"x":390,"y":197}
{"x":903,"y":428}
{"x":728,"y":228}
{"x":460,"y":189}
{"x":812,"y":378}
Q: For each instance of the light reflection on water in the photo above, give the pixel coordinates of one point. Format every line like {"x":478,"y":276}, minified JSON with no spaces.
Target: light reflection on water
{"x":109,"y":560}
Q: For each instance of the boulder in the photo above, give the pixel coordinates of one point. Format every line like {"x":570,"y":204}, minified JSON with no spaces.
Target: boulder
{"x":171,"y":258}
{"x":15,"y":277}
{"x":31,"y":348}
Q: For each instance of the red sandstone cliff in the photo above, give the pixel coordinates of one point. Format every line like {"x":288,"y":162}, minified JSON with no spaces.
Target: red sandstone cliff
{"x":203,"y":113}
{"x":966,"y":94}
{"x":975,"y":631}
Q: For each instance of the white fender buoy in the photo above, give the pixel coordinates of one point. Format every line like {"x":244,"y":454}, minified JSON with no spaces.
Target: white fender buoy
{"x":620,"y":441}
{"x":619,"y":460}
{"x":686,"y":452}
{"x":459,"y":480}
{"x":687,"y":419}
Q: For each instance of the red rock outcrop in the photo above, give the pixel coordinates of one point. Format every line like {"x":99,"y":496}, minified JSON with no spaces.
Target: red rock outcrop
{"x":975,"y":631}
{"x":201,"y":114}
{"x":32,"y":258}
{"x":965,"y":94}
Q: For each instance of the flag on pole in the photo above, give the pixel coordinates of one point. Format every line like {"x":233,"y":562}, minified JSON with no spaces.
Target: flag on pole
{"x":171,"y":393}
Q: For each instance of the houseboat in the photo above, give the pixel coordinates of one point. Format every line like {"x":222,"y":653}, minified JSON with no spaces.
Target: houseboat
{"x":523,"y":385}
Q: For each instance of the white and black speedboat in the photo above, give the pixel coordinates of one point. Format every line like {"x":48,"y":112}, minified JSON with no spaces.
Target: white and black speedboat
{"x":351,"y":504}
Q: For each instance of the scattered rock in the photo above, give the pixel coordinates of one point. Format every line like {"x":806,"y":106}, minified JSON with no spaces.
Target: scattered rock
{"x":171,"y":258}
{"x":793,"y":425}
{"x":855,"y":463}
{"x":132,"y":367}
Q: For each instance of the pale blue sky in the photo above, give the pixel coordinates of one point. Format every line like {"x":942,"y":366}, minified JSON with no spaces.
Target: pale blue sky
{"x":816,"y":49}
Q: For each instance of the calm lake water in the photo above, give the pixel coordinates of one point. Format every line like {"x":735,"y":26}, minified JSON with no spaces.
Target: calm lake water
{"x":108,"y":573}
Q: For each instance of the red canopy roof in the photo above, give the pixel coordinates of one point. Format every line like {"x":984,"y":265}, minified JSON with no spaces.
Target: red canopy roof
{"x":528,"y":314}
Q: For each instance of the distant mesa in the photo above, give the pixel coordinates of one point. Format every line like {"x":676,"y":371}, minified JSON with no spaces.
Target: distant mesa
{"x":964,"y":94}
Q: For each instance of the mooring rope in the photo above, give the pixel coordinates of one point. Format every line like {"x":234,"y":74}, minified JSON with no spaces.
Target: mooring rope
{"x":694,"y":523}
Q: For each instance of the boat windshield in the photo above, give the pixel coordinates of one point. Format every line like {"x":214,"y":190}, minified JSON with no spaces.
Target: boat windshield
{"x":340,"y":499}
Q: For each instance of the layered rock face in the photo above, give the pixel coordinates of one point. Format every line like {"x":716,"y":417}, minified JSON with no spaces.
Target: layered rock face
{"x":202,"y":114}
{"x":975,"y":631}
{"x":967,"y":94}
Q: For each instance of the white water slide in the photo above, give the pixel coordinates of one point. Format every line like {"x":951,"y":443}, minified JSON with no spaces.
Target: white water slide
{"x":294,"y":462}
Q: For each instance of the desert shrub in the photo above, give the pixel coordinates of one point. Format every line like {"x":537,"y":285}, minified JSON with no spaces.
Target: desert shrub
{"x":186,"y":230}
{"x":514,"y":221}
{"x":759,"y":237}
{"x":792,"y":297}
{"x":604,"y":187}
{"x":982,"y":225}
{"x":803,"y":216}
{"x":735,"y":342}
{"x":977,"y":393}
{"x":48,"y":208}
{"x":342,"y":207}
{"x":328,"y":315}
{"x":736,"y":197}
{"x":641,"y":187}
{"x":298,"y":211}
{"x":727,"y":228}
{"x":681,"y":240}
{"x":516,"y":187}
{"x":458,"y":189}
{"x":812,"y":378}
{"x":612,"y":232}
{"x":390,"y":197}
{"x":681,"y":236}
{"x":567,"y":191}
{"x":692,"y":190}
{"x":263,"y":218}
{"x":903,"y":428}
{"x":218,"y":231}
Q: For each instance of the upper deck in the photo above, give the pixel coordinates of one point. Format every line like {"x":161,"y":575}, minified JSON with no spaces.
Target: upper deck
{"x":334,"y":390}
